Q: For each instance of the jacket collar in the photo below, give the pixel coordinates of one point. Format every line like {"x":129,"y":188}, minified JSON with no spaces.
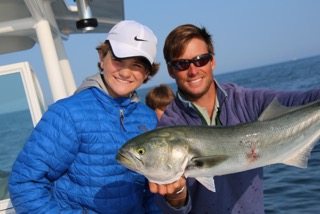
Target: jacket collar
{"x":221,"y":93}
{"x":96,"y":81}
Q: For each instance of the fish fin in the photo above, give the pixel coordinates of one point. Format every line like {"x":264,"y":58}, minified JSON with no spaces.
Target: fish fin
{"x":206,"y":161}
{"x":276,"y":109}
{"x":301,"y":158}
{"x":297,"y":162}
{"x":208,"y":182}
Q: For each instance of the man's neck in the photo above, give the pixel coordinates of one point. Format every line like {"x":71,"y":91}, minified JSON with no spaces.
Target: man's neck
{"x":208,"y":100}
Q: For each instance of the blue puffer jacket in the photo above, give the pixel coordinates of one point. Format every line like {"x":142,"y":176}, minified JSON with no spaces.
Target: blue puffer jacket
{"x":240,"y":192}
{"x":68,"y":164}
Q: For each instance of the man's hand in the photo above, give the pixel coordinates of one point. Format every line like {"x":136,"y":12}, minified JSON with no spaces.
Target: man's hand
{"x":175,"y":193}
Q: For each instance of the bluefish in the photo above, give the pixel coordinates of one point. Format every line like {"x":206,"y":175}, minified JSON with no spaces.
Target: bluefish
{"x":281,"y":135}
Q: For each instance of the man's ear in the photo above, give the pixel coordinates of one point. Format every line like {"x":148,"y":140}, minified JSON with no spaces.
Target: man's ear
{"x":213,"y":63}
{"x":171,"y":72}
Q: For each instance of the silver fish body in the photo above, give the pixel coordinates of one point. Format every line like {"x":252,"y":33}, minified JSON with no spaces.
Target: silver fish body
{"x":281,"y":135}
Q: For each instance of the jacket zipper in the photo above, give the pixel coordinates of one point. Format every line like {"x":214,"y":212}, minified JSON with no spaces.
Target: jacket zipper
{"x":122,"y":119}
{"x":218,"y":121}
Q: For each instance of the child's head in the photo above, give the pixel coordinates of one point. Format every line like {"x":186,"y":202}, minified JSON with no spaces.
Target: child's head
{"x":159,"y":97}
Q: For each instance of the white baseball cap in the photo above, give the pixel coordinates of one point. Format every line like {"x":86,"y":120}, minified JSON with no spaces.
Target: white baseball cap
{"x":129,"y":38}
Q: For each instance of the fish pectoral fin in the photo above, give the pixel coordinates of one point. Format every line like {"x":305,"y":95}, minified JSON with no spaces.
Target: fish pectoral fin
{"x":206,"y":161}
{"x":208,"y":182}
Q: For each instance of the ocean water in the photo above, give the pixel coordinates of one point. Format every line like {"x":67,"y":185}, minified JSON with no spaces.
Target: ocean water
{"x":17,"y":123}
{"x":287,"y":189}
{"x":15,"y":127}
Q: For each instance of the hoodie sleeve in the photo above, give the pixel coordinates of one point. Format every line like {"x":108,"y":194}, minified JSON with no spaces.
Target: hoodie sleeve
{"x":47,"y":154}
{"x":167,"y":208}
{"x":246,"y":104}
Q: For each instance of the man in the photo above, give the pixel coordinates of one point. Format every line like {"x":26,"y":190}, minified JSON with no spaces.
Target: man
{"x":200,"y":100}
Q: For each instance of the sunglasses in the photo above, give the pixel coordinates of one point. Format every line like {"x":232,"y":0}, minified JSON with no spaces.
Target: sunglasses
{"x":184,"y":64}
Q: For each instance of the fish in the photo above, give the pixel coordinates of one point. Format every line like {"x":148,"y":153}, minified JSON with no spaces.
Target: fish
{"x":281,"y":135}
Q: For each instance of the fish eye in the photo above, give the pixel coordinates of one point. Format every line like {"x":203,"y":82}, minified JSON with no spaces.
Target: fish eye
{"x":141,"y":151}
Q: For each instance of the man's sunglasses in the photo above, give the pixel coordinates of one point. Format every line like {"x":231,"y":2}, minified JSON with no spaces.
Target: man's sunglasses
{"x":184,"y":64}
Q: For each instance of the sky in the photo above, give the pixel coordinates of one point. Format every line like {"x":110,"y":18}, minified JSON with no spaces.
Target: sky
{"x":246,"y":34}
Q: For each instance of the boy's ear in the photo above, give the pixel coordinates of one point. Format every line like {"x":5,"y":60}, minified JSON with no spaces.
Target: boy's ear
{"x":100,"y":66}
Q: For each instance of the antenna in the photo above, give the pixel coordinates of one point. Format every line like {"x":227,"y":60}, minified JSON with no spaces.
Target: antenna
{"x":86,"y":22}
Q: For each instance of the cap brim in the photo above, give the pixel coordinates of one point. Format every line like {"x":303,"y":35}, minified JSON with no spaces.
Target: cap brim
{"x":122,"y":50}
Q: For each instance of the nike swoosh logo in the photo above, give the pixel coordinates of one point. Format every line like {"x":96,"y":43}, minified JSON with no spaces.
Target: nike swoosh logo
{"x":137,"y":39}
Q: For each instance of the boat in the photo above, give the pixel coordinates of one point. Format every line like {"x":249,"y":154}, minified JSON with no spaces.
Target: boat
{"x":48,"y":23}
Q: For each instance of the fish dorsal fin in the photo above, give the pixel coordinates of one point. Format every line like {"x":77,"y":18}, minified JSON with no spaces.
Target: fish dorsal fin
{"x":276,"y":109}
{"x":208,"y":182}
{"x":205,"y":161}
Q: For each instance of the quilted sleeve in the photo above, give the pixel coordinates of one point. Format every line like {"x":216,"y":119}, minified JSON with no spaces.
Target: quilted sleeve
{"x":46,"y":155}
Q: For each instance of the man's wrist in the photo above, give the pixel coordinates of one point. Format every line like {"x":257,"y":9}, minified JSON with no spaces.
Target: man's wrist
{"x":177,"y":199}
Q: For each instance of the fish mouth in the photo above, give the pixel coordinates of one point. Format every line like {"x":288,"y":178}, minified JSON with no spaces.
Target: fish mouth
{"x":122,"y":158}
{"x":128,"y":160}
